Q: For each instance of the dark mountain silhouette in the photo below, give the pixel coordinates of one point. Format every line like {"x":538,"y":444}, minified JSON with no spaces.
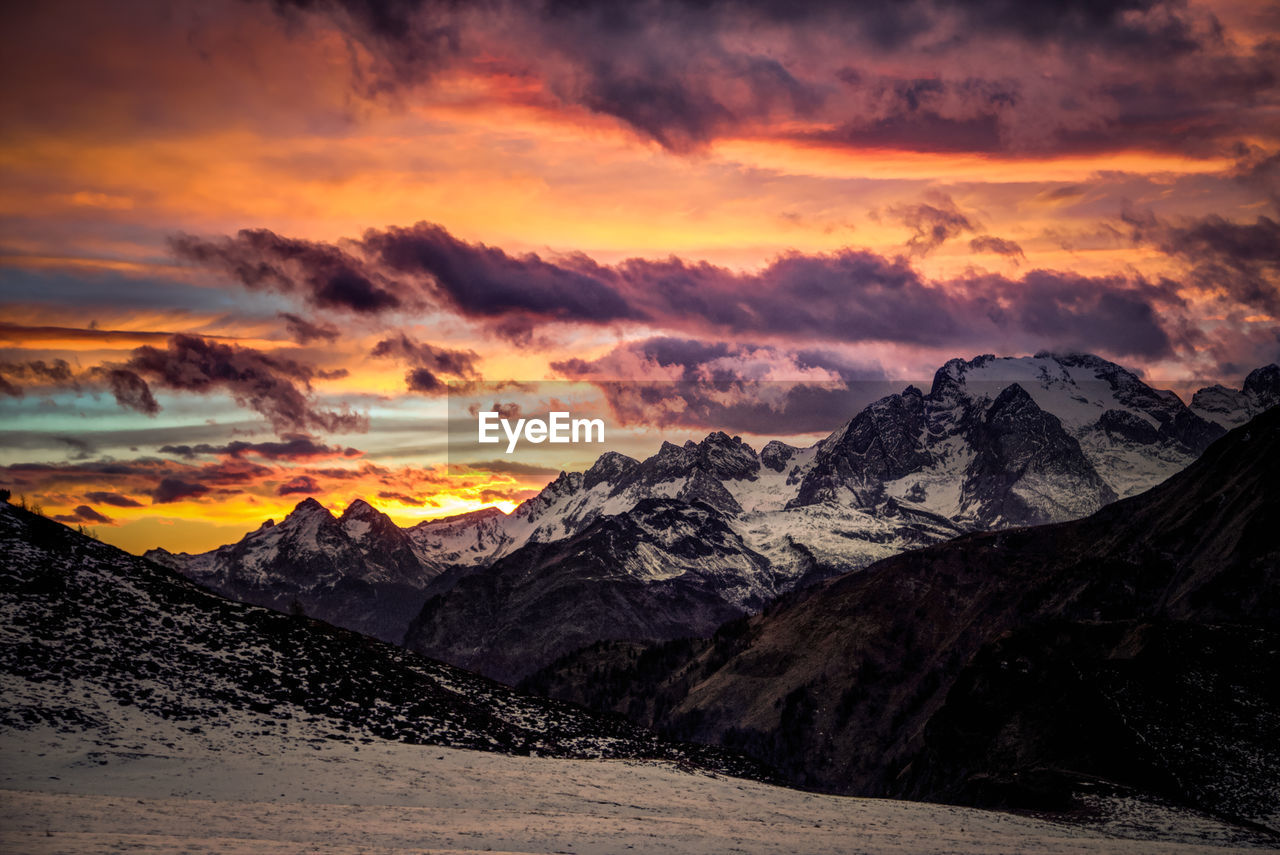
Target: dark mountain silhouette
{"x":1134,"y":648}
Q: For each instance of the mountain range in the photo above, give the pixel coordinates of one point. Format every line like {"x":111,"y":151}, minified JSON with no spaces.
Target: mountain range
{"x":678,"y":543}
{"x":1134,"y":650}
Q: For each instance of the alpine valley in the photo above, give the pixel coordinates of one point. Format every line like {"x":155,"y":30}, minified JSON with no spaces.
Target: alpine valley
{"x":675,"y":545}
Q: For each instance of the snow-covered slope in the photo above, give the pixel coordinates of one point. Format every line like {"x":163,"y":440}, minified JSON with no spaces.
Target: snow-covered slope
{"x":163,"y":789}
{"x":663,"y":569}
{"x":1072,"y":433}
{"x":983,"y":449}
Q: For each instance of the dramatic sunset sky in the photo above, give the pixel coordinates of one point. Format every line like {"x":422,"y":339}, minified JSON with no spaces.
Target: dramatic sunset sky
{"x":247,"y":245}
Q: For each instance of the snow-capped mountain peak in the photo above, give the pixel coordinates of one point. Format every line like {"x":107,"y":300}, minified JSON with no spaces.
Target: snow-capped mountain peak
{"x":1232,"y":407}
{"x":362,"y":520}
{"x":308,"y":508}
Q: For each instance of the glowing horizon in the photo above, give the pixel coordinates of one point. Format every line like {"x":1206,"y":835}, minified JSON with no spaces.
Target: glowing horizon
{"x":289,"y":226}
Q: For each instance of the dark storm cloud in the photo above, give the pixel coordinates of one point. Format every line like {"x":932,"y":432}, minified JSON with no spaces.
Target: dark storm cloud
{"x":669,"y":105}
{"x":301,"y":484}
{"x":85,"y":514}
{"x":427,"y":362}
{"x":414,"y":37}
{"x":1261,"y":169}
{"x":685,"y":72}
{"x":171,"y":490}
{"x":1158,"y":24}
{"x":81,"y":447}
{"x":1112,"y":314}
{"x":55,"y":373}
{"x":291,"y":448}
{"x":114,"y":499}
{"x":424,"y":381}
{"x":116,"y":482}
{"x":846,"y":296}
{"x":923,"y":131}
{"x":1153,"y":28}
{"x":407,"y":499}
{"x":325,"y":275}
{"x":999,"y":246}
{"x":480,"y":281}
{"x":276,"y":387}
{"x":442,"y":359}
{"x":1241,"y":258}
{"x":305,"y":332}
{"x":860,"y":296}
{"x":933,"y":223}
{"x":1061,"y":76}
{"x":131,"y":391}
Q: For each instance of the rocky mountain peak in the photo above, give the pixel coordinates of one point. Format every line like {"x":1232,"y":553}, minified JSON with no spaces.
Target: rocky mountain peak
{"x":308,"y":507}
{"x":565,"y":484}
{"x":1027,"y":468}
{"x":1013,"y":403}
{"x":947,"y":382}
{"x":1231,"y":407}
{"x":362,"y":521}
{"x":954,"y":370}
{"x":609,"y":468}
{"x":776,"y":454}
{"x":727,"y":458}
{"x":308,"y":514}
{"x":672,"y":461}
{"x":360,"y":509}
{"x":1263,"y":385}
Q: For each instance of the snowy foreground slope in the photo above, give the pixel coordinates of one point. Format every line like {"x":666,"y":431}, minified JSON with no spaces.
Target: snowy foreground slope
{"x":163,"y":789}
{"x":140,"y":713}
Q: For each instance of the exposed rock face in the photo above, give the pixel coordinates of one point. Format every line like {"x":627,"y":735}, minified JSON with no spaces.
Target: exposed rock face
{"x":1027,"y":469}
{"x":883,"y":443}
{"x":664,"y":569}
{"x":775,"y":455}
